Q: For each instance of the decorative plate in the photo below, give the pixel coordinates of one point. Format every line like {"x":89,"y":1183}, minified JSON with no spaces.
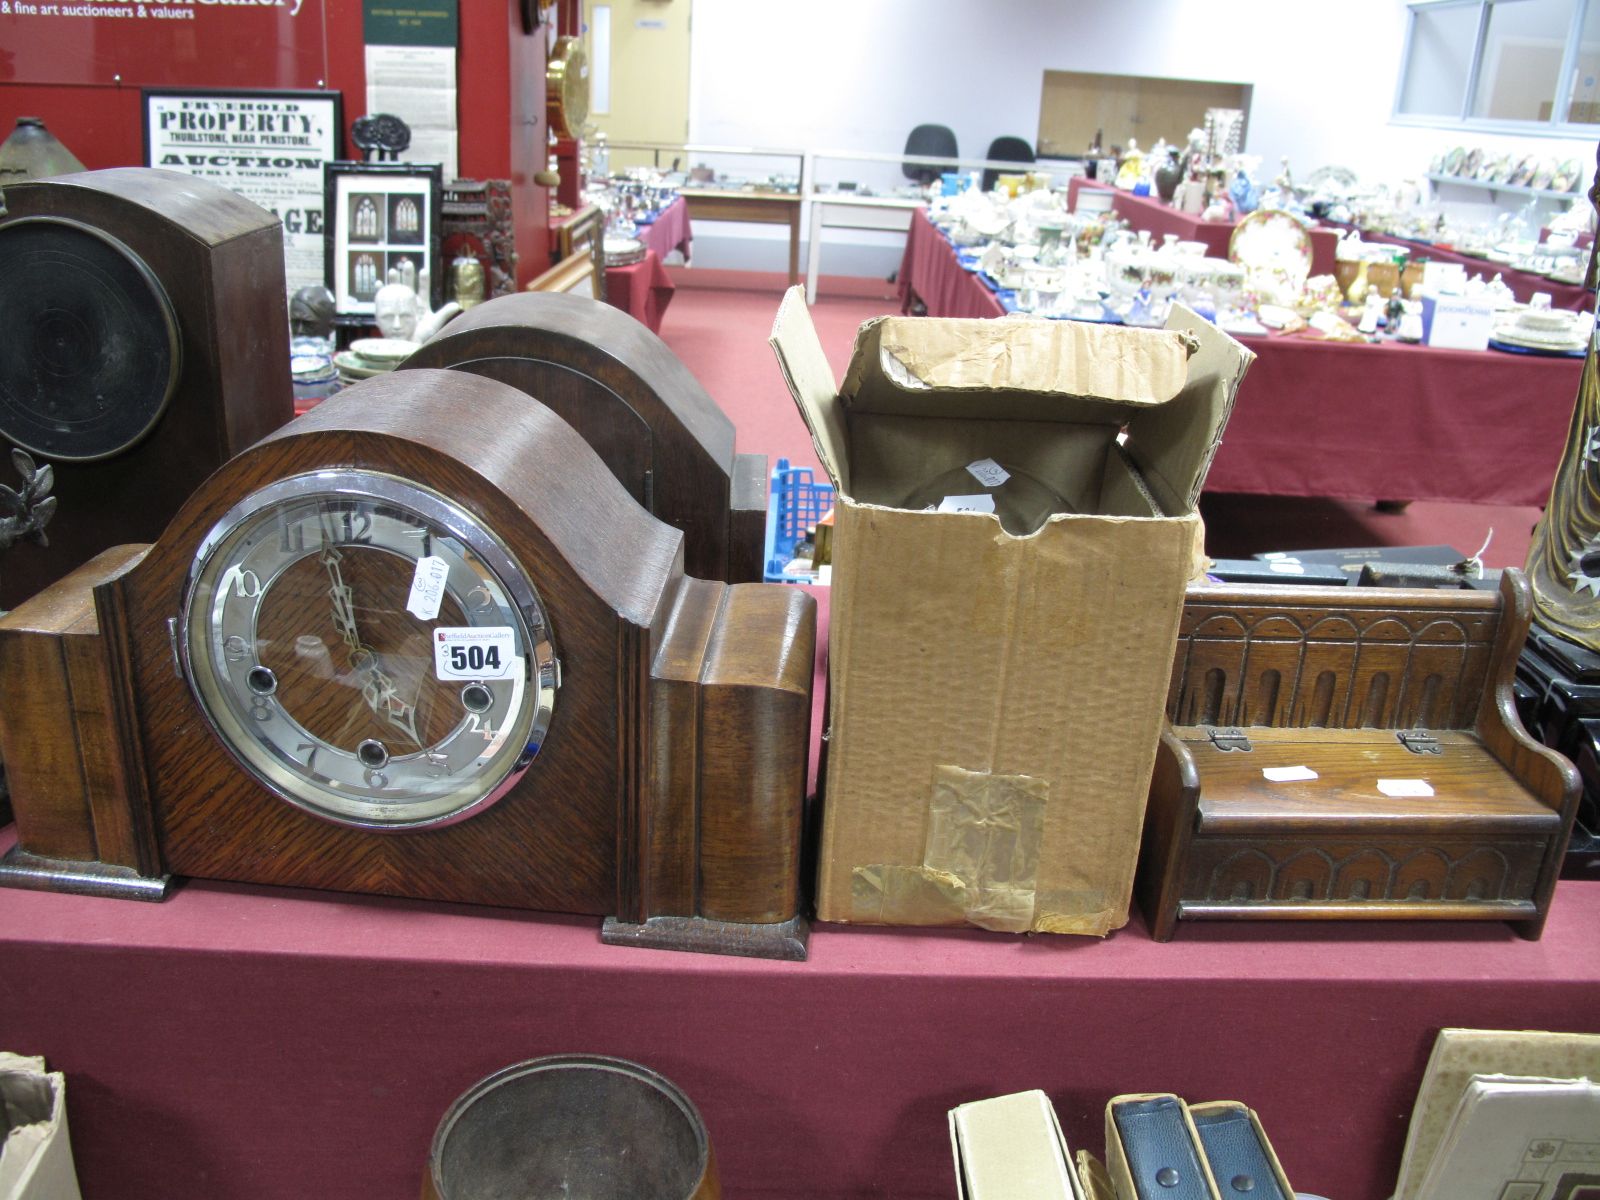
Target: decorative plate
{"x":1474,"y":160}
{"x":1566,"y":176}
{"x":1274,"y":248}
{"x":352,"y":366}
{"x":375,"y":351}
{"x":1542,"y":174}
{"x":1523,"y":171}
{"x":1495,"y":168}
{"x":1453,"y":161}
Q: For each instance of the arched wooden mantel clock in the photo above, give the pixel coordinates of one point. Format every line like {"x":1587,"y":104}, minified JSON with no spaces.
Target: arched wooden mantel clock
{"x":420,"y":642}
{"x":145,"y":324}
{"x":635,"y":402}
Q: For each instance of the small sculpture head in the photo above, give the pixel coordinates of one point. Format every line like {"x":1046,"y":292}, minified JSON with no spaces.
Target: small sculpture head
{"x":395,"y":310}
{"x":311,"y":312}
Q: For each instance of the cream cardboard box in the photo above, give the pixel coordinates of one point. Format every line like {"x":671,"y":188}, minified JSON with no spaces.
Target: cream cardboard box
{"x":1011,"y":1148}
{"x":995,"y":699}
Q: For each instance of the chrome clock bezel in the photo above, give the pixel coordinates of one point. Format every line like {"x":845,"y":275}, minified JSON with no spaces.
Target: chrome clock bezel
{"x":204,"y":664}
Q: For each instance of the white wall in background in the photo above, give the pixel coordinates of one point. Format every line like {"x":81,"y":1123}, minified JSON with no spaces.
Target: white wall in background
{"x":859,"y":74}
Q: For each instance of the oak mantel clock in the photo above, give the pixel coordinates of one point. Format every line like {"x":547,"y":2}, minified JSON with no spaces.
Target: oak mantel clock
{"x":420,"y":642}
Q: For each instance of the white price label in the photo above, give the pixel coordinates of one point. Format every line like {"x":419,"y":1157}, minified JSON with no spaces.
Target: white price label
{"x":980,"y":503}
{"x":1288,"y":774}
{"x":1287,"y":568}
{"x":1405,"y":787}
{"x":988,"y":472}
{"x":427,"y":588}
{"x":475,"y":652}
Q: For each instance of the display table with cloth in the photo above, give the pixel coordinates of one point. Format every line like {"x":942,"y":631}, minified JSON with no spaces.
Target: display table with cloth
{"x":1155,"y":216}
{"x":642,"y":290}
{"x":1524,"y":286}
{"x":250,"y":1043}
{"x":1348,"y":420}
{"x":668,"y":230}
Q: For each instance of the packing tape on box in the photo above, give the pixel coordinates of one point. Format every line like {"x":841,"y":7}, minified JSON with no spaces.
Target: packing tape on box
{"x":980,"y":863}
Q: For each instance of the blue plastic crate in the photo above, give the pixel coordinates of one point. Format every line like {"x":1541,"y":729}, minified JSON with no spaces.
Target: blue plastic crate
{"x":794,"y":504}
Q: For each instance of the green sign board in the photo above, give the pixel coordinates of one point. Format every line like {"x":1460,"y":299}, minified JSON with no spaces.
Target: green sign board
{"x":411,"y":22}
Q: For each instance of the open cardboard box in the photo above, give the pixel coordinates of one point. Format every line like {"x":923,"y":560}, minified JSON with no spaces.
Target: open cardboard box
{"x":995,"y":699}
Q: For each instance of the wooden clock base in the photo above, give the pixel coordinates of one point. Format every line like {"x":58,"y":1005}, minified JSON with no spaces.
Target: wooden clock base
{"x":784,"y":940}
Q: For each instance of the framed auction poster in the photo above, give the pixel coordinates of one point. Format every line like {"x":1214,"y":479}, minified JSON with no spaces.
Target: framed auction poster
{"x":382,"y":217}
{"x":269,"y":146}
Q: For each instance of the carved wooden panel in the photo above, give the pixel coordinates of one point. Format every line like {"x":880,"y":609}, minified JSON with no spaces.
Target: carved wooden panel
{"x":1246,"y":871}
{"x":1325,"y":660}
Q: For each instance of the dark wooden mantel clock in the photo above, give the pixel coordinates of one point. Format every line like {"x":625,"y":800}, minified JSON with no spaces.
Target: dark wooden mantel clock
{"x":145,"y":326}
{"x":420,"y":642}
{"x":634,"y":401}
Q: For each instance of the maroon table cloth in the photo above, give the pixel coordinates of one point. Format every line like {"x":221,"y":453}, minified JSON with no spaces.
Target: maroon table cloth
{"x":642,"y":290}
{"x":1158,"y":217}
{"x":1351,"y":420}
{"x":1396,"y":422}
{"x":246,"y":1043}
{"x":670,"y":230}
{"x":930,"y":270}
{"x":1522,"y":284}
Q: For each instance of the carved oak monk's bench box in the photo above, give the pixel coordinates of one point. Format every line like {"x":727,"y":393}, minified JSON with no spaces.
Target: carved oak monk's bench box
{"x":1352,"y":752}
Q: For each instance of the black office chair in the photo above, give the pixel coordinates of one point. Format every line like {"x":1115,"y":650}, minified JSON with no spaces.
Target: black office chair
{"x":1005,"y":149}
{"x":929,"y":140}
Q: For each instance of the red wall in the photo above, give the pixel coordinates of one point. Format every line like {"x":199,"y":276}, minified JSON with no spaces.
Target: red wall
{"x":500,"y":103}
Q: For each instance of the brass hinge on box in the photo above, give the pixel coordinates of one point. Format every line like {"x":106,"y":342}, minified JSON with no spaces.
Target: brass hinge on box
{"x":1418,"y":741}
{"x":1229,"y":739}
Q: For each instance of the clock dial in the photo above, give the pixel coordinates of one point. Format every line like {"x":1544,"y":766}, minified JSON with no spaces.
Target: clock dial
{"x":368,"y":650}
{"x":96,"y":354}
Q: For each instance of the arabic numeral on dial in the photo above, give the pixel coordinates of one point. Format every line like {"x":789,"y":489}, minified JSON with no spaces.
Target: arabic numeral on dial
{"x":261,"y":708}
{"x":357,"y":526}
{"x":480,"y":725}
{"x":303,"y":747}
{"x":437,"y":765}
{"x":234,"y":648}
{"x":376,"y":779}
{"x":245,"y":584}
{"x":480,"y":599}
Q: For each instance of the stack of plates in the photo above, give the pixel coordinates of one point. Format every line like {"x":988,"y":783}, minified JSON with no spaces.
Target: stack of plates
{"x":371,"y":356}
{"x":623,"y":251}
{"x":1545,"y":331}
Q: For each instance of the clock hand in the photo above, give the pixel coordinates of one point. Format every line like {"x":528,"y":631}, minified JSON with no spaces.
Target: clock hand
{"x":383,"y":698}
{"x":377,"y":689}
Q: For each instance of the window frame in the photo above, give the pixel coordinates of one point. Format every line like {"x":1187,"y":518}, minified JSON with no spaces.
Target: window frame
{"x":1558,"y":126}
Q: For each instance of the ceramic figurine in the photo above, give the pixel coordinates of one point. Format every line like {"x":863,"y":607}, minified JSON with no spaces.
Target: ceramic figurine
{"x":1132,"y":169}
{"x":1372,"y":314}
{"x":1245,"y":194}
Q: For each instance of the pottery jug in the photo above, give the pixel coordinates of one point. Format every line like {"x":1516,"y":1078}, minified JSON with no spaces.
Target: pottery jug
{"x":1168,"y":176}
